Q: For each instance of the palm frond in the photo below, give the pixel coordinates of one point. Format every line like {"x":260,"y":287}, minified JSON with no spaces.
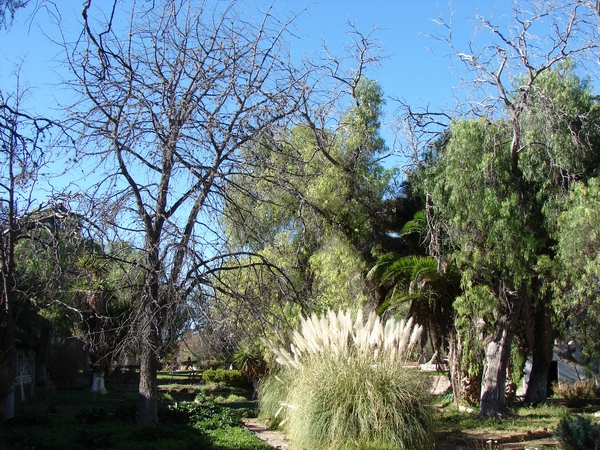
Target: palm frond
{"x":382,"y":264}
{"x":416,"y":225}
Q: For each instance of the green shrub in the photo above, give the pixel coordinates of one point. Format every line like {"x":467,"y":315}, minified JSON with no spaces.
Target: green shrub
{"x":578,"y":433}
{"x":203,"y":415}
{"x":343,"y":385}
{"x":233,"y":378}
{"x":251,"y":361}
{"x":93,"y":415}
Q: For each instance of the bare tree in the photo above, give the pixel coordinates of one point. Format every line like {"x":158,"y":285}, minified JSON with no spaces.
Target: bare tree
{"x":9,"y":8}
{"x":167,"y":102}
{"x":25,"y":142}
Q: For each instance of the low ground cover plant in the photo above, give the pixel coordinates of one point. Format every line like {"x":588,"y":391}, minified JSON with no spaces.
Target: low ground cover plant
{"x":578,"y":433}
{"x":342,"y":383}
{"x":78,"y":419}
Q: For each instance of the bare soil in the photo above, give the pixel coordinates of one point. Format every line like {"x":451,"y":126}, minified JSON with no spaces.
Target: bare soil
{"x":541,"y":439}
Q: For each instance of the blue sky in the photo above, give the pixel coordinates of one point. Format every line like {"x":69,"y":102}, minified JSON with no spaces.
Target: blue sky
{"x":411,"y":70}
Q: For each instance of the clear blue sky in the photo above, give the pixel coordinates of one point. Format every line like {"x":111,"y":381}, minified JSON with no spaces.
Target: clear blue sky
{"x":411,"y":71}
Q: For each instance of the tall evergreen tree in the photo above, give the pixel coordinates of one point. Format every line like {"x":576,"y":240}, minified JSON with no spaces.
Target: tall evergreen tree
{"x":318,"y":204}
{"x":495,"y":189}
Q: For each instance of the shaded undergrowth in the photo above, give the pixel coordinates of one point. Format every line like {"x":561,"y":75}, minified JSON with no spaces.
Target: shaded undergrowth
{"x":77,"y":419}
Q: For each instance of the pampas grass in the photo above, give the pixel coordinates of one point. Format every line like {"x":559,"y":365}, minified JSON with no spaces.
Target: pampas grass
{"x":343,"y":384}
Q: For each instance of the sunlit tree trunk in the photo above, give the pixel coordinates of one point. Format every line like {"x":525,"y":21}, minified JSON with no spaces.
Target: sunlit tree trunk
{"x":497,"y":355}
{"x":454,"y":358}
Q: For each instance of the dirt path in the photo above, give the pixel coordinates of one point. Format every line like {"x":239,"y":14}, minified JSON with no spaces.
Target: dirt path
{"x":532,"y":440}
{"x":274,"y":438}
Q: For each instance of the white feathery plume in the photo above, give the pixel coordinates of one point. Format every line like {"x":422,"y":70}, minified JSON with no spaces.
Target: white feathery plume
{"x":404,"y":337}
{"x":340,"y":335}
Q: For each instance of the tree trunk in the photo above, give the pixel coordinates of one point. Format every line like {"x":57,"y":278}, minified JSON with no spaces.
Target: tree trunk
{"x":454,"y":358}
{"x":543,"y":346}
{"x":148,"y":388}
{"x":150,"y":334}
{"x":8,"y":346}
{"x":150,"y":347}
{"x":497,"y":354}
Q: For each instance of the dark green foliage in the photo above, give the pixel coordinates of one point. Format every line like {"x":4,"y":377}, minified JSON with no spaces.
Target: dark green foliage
{"x":150,"y":433}
{"x":82,"y":420}
{"x":204,"y":415}
{"x":30,"y":419}
{"x":90,"y":439}
{"x":417,"y":281}
{"x":93,"y":415}
{"x":578,"y":433}
{"x":251,"y":361}
{"x":233,"y":378}
{"x":125,"y":413}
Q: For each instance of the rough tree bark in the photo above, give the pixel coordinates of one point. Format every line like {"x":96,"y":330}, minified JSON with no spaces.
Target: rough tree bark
{"x":454,"y":359}
{"x":497,"y":354}
{"x":543,"y":346}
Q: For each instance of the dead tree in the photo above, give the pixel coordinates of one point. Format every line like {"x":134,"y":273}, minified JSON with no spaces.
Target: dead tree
{"x":166,"y":105}
{"x":25,"y":143}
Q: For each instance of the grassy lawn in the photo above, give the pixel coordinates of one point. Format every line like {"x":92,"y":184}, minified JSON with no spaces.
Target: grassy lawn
{"x":527,"y":419}
{"x":78,"y":419}
{"x":531,"y":427}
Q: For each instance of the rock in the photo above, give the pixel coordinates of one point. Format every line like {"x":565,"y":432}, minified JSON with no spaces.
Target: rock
{"x":465,"y":409}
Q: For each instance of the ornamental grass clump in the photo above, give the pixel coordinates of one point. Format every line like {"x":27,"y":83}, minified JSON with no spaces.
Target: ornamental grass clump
{"x":343,"y":384}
